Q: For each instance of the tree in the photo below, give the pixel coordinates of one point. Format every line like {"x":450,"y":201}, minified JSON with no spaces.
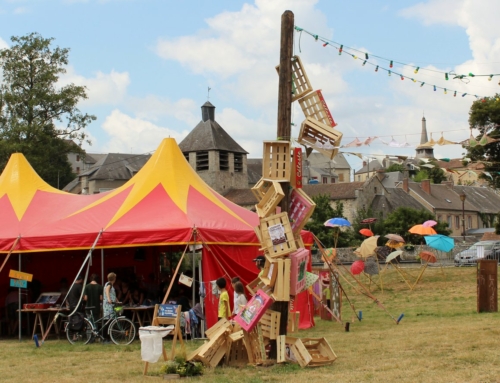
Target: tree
{"x":435,"y":174}
{"x":395,"y":168}
{"x":403,"y":218}
{"x":38,"y":117}
{"x":484,"y":115}
{"x":322,"y":213}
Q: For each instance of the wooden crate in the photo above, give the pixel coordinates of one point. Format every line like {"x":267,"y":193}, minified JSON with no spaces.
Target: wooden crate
{"x":281,"y":292}
{"x":222,"y":323}
{"x":270,"y":324}
{"x":299,"y":242}
{"x":293,"y":322}
{"x":280,"y":349}
{"x":295,"y":351}
{"x":257,"y":285}
{"x":321,"y":137}
{"x":300,"y":82}
{"x":301,"y":209}
{"x":320,"y":351}
{"x":270,"y":272}
{"x":260,"y":189}
{"x":313,"y":105}
{"x":282,"y":241}
{"x":254,"y":344}
{"x":237,"y":353}
{"x":267,"y":205}
{"x":212,"y":352}
{"x":276,"y":161}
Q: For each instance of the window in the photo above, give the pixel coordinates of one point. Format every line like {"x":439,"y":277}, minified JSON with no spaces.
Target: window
{"x":450,"y":221}
{"x":457,"y":221}
{"x":201,"y":161}
{"x":224,"y":161}
{"x":375,"y":190}
{"x":324,"y":180}
{"x":341,"y":177}
{"x":77,"y":170}
{"x":469,"y":222}
{"x":77,"y":158}
{"x":359,"y":178}
{"x":186,"y":156}
{"x":238,"y":162}
{"x":333,"y":180}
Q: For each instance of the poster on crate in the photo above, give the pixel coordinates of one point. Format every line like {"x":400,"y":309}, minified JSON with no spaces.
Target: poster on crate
{"x":254,"y":310}
{"x":277,"y":234}
{"x":298,"y":271}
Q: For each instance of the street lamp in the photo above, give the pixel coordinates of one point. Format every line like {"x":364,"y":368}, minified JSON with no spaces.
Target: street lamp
{"x":462,"y":198}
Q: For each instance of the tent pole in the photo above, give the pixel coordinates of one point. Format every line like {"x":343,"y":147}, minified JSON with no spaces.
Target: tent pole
{"x":194,"y":267}
{"x":201,"y":298}
{"x":19,"y":303}
{"x":10,"y":252}
{"x":102,"y":267}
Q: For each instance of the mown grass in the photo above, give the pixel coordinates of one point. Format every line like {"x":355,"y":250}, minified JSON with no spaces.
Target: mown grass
{"x":440,"y":339}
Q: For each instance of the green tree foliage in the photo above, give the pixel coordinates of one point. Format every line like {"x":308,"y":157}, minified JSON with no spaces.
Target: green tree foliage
{"x":435,"y":174}
{"x":378,"y":227}
{"x":36,"y":113}
{"x":484,"y":115}
{"x":403,"y":218}
{"x":497,"y":224}
{"x":395,"y":168}
{"x":323,"y":213}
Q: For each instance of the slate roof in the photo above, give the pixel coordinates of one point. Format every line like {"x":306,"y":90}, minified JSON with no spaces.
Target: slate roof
{"x":392,"y":179}
{"x":318,"y":160}
{"x":241,"y":197}
{"x":116,"y":166}
{"x":372,"y":166}
{"x":441,"y":197}
{"x":484,"y":199}
{"x":254,"y":170}
{"x":209,"y":135}
{"x":345,"y":190}
{"x":394,"y":199}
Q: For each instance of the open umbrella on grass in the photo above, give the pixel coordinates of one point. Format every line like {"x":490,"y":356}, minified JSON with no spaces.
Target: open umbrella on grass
{"x":336,"y":223}
{"x":366,"y":232}
{"x":367,"y":247}
{"x":395,"y":237}
{"x":422,"y":230}
{"x":428,"y":256}
{"x":440,"y":242}
{"x":357,"y":267}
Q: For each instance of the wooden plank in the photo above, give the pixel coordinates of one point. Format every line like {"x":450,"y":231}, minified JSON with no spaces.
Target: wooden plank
{"x":487,"y":290}
{"x":270,"y":272}
{"x":280,"y":343}
{"x":223,"y":324}
{"x":260,"y":189}
{"x":270,"y":323}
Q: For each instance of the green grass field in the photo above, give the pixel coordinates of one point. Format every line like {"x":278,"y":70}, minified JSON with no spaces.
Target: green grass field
{"x":440,"y":339}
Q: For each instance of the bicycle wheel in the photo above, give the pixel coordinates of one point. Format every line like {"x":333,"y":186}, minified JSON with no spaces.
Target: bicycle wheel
{"x":122,"y":331}
{"x":83,"y":336}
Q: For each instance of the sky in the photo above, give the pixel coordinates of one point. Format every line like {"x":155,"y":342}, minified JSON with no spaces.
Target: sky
{"x":148,"y":64}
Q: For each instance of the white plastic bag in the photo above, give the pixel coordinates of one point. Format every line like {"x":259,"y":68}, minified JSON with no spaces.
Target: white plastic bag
{"x":152,"y":342}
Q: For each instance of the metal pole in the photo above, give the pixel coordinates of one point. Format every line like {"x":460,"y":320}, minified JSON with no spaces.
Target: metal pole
{"x":201,"y":298}
{"x":19,"y":304}
{"x":194,"y":268}
{"x":102,"y":267}
{"x":463,"y":218}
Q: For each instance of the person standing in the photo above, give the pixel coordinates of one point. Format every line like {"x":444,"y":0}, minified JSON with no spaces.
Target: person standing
{"x":241,"y":300}
{"x":235,"y":294}
{"x":74,"y":296}
{"x":224,"y":310}
{"x":92,"y":294}
{"x":109,"y":296}
{"x":260,"y":262}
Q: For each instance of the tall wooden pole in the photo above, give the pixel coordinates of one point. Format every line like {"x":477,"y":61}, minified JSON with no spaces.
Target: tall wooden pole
{"x":285,"y":127}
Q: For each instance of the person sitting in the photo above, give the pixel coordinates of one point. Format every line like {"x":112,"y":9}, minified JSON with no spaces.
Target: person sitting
{"x":136,"y":297}
{"x":125,"y":294}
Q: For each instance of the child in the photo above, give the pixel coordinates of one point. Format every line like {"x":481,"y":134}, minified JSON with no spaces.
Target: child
{"x":241,"y":300}
{"x":224,"y":308}
{"x":260,"y":262}
{"x":235,"y":294}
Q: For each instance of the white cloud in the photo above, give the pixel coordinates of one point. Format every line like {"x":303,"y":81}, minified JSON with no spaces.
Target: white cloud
{"x":128,"y":134}
{"x":3,"y":44}
{"x":153,"y":108}
{"x":21,"y":10}
{"x":103,"y":88}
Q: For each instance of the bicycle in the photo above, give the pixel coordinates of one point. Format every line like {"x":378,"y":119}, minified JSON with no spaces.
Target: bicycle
{"x":120,"y":329}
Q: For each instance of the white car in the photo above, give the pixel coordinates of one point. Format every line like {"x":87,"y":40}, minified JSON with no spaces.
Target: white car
{"x":469,"y":257}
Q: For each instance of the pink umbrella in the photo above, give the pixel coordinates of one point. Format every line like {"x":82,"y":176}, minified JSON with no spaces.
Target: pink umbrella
{"x":357,"y":267}
{"x":429,"y":223}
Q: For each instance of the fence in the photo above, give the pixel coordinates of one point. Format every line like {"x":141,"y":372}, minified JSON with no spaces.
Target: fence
{"x":409,"y":258}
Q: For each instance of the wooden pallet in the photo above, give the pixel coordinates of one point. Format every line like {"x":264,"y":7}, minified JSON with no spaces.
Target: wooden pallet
{"x":282,"y":223}
{"x":256,"y":285}
{"x":276,"y":161}
{"x":320,"y":351}
{"x":301,"y":209}
{"x":293,"y":322}
{"x":281,"y":292}
{"x":260,"y":189}
{"x":212,"y":352}
{"x":300,"y":82}
{"x":267,"y":205}
{"x":254,"y":344}
{"x":270,"y":324}
{"x":321,"y":137}
{"x":313,"y":105}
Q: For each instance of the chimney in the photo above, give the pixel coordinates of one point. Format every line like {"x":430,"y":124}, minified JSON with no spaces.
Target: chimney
{"x":426,"y":186}
{"x":364,"y":163}
{"x":207,"y":112}
{"x":405,"y":185}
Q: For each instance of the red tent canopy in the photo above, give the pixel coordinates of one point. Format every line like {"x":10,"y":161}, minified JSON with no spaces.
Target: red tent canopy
{"x":162,"y":204}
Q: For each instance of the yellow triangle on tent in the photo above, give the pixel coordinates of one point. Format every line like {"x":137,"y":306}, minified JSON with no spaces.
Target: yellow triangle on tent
{"x":20,"y":182}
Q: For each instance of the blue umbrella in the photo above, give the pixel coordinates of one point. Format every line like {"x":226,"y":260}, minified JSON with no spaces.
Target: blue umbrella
{"x":334,"y":222}
{"x":440,"y":242}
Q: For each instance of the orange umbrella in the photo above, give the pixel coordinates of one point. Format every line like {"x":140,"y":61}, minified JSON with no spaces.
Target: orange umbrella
{"x":366,"y":232}
{"x":394,"y":244}
{"x":422,"y":230}
{"x":428,"y":257}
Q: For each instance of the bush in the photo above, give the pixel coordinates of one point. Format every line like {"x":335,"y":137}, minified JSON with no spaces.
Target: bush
{"x":180,"y":366}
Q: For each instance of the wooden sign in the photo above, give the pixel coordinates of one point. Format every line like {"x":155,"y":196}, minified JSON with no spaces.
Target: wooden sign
{"x":19,"y":275}
{"x":20,"y":283}
{"x":296,"y":177}
{"x":487,"y":291}
{"x":167,"y":311}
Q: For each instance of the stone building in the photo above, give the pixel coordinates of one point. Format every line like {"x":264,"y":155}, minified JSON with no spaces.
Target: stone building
{"x":215,"y":156}
{"x":425,"y":149}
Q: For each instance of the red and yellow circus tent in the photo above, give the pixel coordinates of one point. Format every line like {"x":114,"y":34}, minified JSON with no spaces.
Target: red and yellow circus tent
{"x":163,"y":204}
